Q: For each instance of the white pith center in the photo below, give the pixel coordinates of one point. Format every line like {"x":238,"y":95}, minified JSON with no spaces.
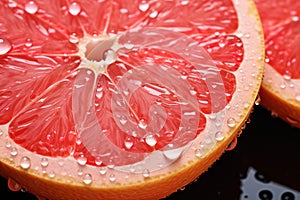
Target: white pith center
{"x":98,"y":52}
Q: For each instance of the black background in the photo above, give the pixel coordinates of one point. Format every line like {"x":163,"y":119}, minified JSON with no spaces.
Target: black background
{"x":268,"y":145}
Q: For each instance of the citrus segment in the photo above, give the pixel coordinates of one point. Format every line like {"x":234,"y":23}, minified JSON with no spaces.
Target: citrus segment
{"x":117,"y":97}
{"x":281,"y":85}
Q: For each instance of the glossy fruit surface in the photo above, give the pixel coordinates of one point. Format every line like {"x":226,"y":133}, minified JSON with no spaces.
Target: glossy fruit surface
{"x":280,"y":91}
{"x":108,"y":99}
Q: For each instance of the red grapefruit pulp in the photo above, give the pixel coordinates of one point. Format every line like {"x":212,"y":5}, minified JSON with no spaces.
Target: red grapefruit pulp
{"x":281,"y":85}
{"x":107,"y":98}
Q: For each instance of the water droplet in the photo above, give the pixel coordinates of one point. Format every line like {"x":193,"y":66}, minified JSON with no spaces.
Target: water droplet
{"x":73,"y":39}
{"x":222,"y":44}
{"x":246,"y":105}
{"x":193,"y":92}
{"x":297,"y":98}
{"x":153,"y":14}
{"x":123,"y":10}
{"x":128,"y":143}
{"x":128,"y":45}
{"x":295,"y":18}
{"x":110,"y":164}
{"x":31,"y":7}
{"x":123,"y":120}
{"x":292,"y":121}
{"x":198,"y":153}
{"x":239,"y":44}
{"x":265,"y":195}
{"x":82,"y":160}
{"x":74,"y":9}
{"x":79,"y":172}
{"x":98,"y":161}
{"x":7,"y":144}
{"x":44,"y":162}
{"x":146,"y":173}
{"x":184,"y":2}
{"x":219,"y":136}
{"x":231,"y":122}
{"x":142,"y":124}
{"x":103,"y":170}
{"x":28,"y":42}
{"x":61,"y":162}
{"x":112,"y":178}
{"x":51,"y":174}
{"x":232,"y":144}
{"x":267,"y":60}
{"x":25,"y":162}
{"x":5,"y":46}
{"x":14,"y":151}
{"x":144,"y":6}
{"x":12,"y":4}
{"x":109,"y":56}
{"x":1,"y":132}
{"x":173,"y":154}
{"x":151,"y":140}
{"x":87,"y":179}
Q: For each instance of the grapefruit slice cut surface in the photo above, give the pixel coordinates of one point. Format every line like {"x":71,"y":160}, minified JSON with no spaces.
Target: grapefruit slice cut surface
{"x":110,"y":99}
{"x":280,"y":92}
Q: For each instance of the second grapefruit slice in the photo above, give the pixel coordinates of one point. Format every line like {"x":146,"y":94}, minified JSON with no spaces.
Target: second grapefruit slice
{"x":110,"y":99}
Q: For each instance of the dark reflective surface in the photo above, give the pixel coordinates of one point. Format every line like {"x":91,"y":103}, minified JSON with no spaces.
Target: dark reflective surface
{"x":265,"y":165}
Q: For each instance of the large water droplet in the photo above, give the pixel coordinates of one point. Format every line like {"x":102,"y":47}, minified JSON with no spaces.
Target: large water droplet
{"x":87,"y":179}
{"x":146,"y":173}
{"x":73,"y":39}
{"x":173,"y":154}
{"x":98,"y":161}
{"x":102,"y":170}
{"x":25,"y":162}
{"x":74,"y":9}
{"x":5,"y":46}
{"x":28,"y":42}
{"x":12,"y":4}
{"x":31,"y":7}
{"x":153,"y":14}
{"x":184,"y":2}
{"x":231,"y":122}
{"x":142,"y":124}
{"x":128,"y":143}
{"x":219,"y":136}
{"x":198,"y":153}
{"x":82,"y":160}
{"x":144,"y":6}
{"x":112,"y":178}
{"x":44,"y":162}
{"x":51,"y":174}
{"x":14,"y":151}
{"x":151,"y":140}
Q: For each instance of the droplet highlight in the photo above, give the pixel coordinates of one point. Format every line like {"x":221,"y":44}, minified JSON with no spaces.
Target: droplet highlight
{"x":231,"y":122}
{"x":144,"y":6}
{"x":5,"y":46}
{"x":31,"y":7}
{"x":219,"y":136}
{"x":44,"y":162}
{"x":151,"y":140}
{"x":146,"y":173}
{"x":74,"y":9}
{"x":87,"y":179}
{"x":25,"y":162}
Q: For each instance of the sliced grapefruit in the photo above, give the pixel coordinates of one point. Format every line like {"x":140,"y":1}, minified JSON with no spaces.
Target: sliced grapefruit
{"x":280,"y":92}
{"x":118,"y":100}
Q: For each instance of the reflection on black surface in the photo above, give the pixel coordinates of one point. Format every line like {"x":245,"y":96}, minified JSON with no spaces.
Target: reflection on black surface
{"x":265,"y":165}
